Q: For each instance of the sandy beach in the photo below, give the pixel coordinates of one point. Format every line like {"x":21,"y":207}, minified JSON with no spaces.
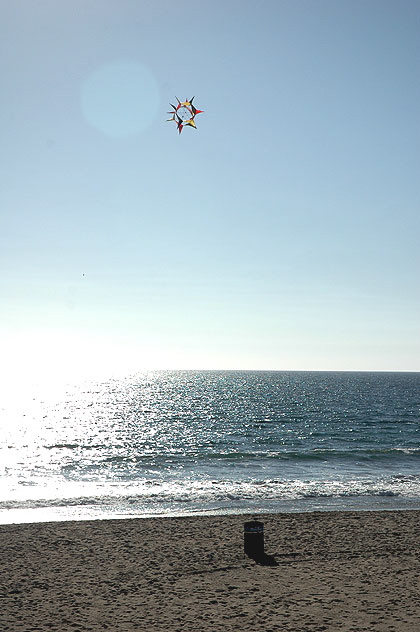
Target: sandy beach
{"x":324,"y":571}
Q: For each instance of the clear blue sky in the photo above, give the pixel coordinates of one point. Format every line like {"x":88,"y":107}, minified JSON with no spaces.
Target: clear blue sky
{"x":283,"y":233}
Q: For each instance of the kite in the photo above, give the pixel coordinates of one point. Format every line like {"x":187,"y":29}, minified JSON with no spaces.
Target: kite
{"x":184,"y":114}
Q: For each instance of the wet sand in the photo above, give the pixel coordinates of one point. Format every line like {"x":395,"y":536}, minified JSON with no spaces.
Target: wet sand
{"x":333,"y":571}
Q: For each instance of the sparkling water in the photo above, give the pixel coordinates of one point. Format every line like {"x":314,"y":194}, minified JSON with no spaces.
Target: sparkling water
{"x":177,"y":442}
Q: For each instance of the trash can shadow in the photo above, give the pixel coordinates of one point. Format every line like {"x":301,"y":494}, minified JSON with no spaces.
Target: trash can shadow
{"x":254,"y":543}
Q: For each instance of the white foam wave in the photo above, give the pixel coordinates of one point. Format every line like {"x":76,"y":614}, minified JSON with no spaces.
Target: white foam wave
{"x":154,"y":493}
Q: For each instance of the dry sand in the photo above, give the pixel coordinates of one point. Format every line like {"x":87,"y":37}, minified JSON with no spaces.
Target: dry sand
{"x":335,"y":571}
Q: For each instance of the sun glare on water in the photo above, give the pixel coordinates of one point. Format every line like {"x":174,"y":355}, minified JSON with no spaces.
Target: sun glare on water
{"x":50,"y":361}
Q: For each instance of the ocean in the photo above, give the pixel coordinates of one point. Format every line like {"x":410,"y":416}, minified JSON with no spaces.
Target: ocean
{"x":196,"y":442}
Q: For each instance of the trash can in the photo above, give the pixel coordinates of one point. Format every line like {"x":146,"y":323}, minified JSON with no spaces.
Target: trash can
{"x":254,"y":538}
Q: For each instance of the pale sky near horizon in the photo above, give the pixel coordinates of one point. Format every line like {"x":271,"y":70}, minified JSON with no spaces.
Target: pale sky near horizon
{"x":281,"y":234}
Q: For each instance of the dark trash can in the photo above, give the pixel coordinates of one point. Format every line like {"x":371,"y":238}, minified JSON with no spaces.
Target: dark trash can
{"x":254,"y":538}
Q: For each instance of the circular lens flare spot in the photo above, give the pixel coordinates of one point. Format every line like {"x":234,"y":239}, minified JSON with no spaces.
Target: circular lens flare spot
{"x":120,"y":99}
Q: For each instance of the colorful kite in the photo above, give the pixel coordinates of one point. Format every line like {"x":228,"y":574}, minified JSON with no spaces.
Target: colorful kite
{"x":184,"y":114}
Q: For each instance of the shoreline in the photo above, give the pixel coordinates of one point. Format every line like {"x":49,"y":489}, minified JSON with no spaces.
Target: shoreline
{"x":330,"y":570}
{"x":86,"y":512}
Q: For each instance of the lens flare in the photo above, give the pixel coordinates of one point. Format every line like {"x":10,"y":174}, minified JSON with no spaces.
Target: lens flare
{"x":120,"y":99}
